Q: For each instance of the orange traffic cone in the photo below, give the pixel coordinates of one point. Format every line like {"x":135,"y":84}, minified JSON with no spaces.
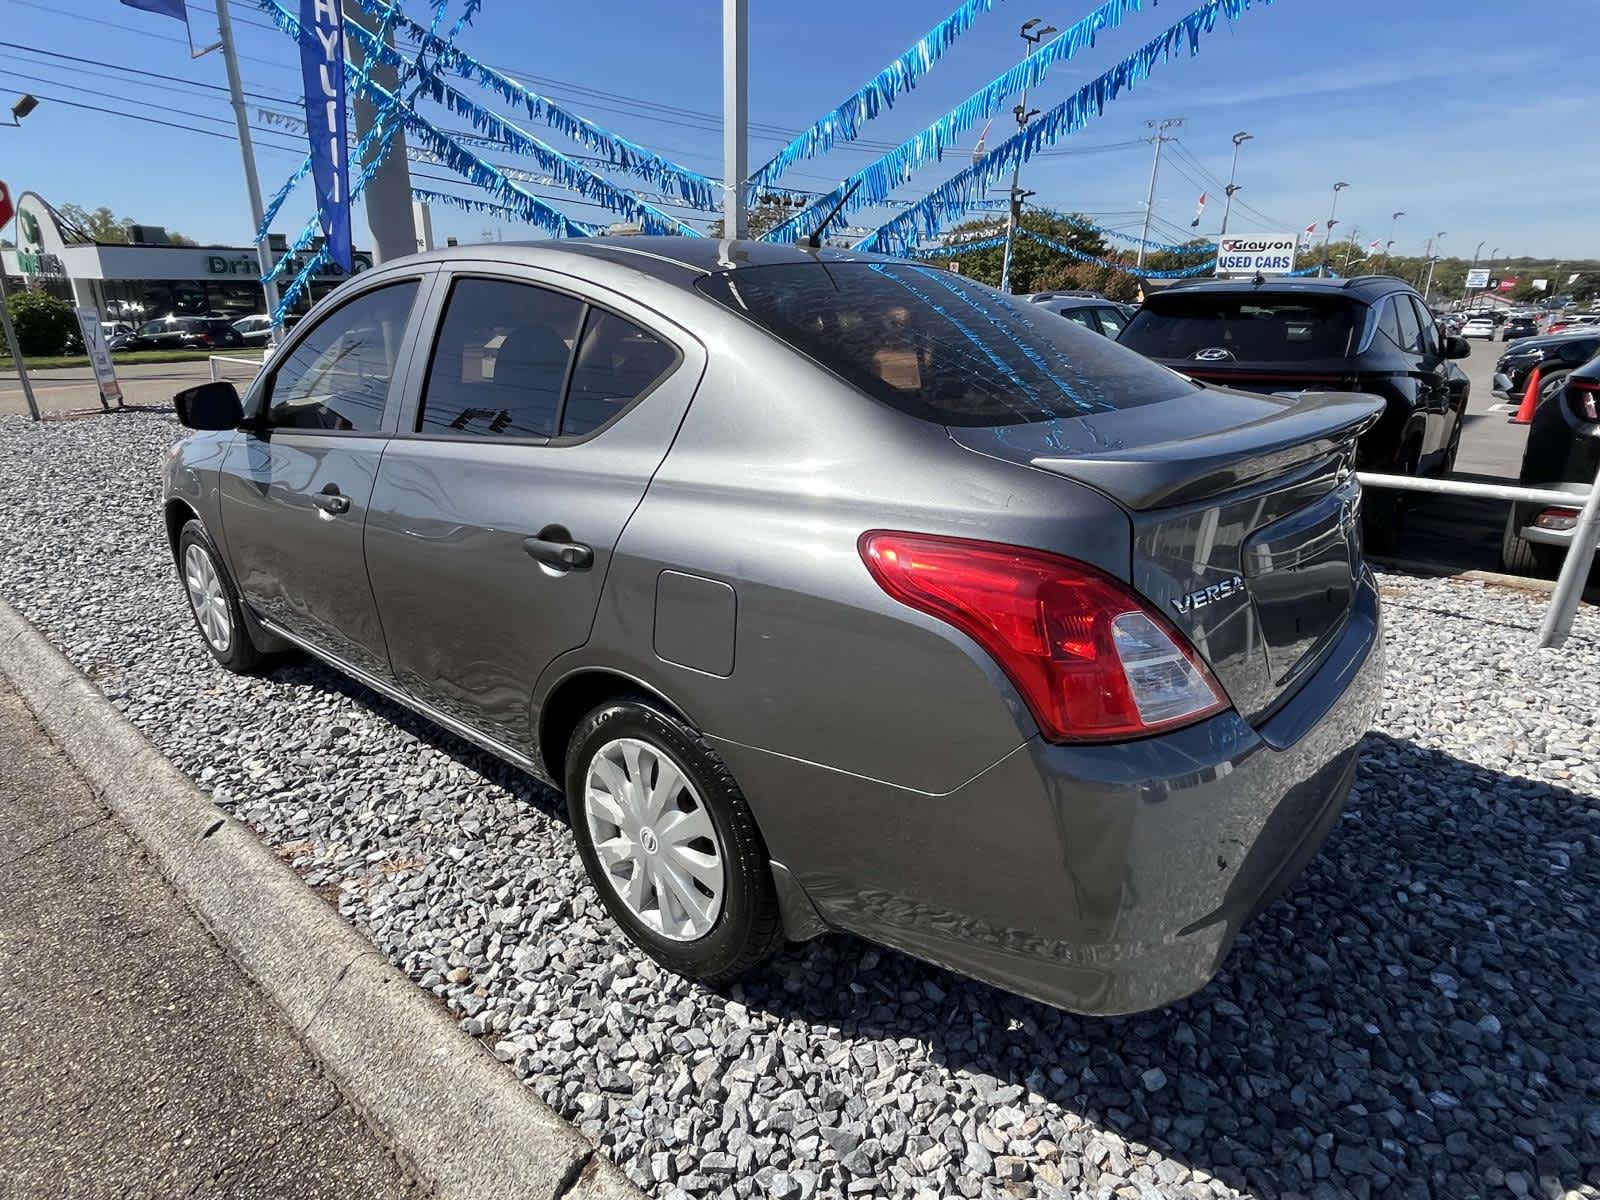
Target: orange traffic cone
{"x":1530,"y":400}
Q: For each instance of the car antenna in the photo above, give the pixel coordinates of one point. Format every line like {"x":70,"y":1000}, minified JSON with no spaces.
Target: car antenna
{"x":815,"y":240}
{"x":1258,"y":280}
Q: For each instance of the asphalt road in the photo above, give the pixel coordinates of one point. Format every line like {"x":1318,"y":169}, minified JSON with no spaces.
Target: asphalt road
{"x":135,"y":1059}
{"x":1453,"y":533}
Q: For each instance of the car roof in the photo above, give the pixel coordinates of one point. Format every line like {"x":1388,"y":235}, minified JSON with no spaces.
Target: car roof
{"x":1076,"y":302}
{"x":1364,"y":287}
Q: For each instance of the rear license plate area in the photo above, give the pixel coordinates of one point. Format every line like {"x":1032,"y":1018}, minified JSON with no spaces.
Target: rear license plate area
{"x":1301,"y":572}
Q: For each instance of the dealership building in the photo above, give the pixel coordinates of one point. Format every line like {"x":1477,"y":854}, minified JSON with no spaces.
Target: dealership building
{"x":147,"y":277}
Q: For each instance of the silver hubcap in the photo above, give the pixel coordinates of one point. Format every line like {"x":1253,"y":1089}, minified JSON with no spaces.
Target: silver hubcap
{"x":207,"y":599}
{"x":657,"y":847}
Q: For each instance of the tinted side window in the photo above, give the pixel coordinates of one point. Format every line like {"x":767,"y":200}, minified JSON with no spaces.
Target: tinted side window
{"x":1410,"y":327}
{"x":1430,"y":331}
{"x":617,"y":363}
{"x":338,"y":377}
{"x":1111,"y":321}
{"x":1388,"y":323}
{"x":500,"y":361}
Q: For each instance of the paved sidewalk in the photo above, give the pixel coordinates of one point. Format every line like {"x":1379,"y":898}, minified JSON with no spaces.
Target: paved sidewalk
{"x":135,"y":1059}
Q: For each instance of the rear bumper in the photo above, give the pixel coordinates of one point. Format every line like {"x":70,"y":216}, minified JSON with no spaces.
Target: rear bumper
{"x":1101,"y":879}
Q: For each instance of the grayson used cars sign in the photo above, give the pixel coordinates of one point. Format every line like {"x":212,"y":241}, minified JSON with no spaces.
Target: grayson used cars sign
{"x":1256,"y":254}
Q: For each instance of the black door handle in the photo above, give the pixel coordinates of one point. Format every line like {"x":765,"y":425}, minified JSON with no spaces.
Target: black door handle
{"x":331,"y":501}
{"x":554,"y":547}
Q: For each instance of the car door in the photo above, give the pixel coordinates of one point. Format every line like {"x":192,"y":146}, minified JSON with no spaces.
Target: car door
{"x":1437,"y":392}
{"x":295,"y":484}
{"x":529,"y":435}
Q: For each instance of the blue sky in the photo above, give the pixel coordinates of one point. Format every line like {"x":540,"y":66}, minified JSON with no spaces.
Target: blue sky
{"x":1424,"y":106}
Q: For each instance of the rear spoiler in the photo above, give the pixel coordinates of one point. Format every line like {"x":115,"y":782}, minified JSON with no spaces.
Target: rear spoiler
{"x":1166,"y":473}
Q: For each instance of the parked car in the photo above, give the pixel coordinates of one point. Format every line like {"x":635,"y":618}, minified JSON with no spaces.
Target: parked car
{"x":181,"y":333}
{"x":1572,"y":320}
{"x":1519,"y":327}
{"x":1368,"y":334}
{"x":256,"y":330}
{"x":1554,"y":354}
{"x":1479,"y":327}
{"x":1562,"y":454}
{"x":1099,"y":316}
{"x":836,"y":591}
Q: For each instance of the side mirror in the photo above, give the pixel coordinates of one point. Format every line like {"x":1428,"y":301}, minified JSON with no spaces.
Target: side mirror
{"x":214,"y":405}
{"x":1457,"y":347}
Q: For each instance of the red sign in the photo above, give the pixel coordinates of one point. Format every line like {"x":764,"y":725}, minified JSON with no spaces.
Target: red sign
{"x":6,"y":210}
{"x":1507,"y":284}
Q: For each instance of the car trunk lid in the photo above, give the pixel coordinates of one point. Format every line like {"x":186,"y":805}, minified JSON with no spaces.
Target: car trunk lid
{"x":1244,"y":511}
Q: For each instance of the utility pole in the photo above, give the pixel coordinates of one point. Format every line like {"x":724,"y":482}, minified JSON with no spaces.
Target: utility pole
{"x":1239,"y":139}
{"x":391,"y":219}
{"x":230,"y":59}
{"x":1032,"y":35}
{"x":1161,"y":139}
{"x":1388,"y":246}
{"x":1327,"y":236}
{"x":735,"y":114}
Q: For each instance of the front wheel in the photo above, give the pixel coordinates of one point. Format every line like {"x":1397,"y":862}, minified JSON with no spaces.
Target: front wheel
{"x":670,"y":843}
{"x":213,"y":602}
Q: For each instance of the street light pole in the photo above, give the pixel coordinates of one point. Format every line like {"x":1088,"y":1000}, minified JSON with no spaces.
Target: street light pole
{"x":1239,"y":139}
{"x":1032,"y":35}
{"x":1388,"y":246}
{"x":1466,"y":293}
{"x":1427,"y":288}
{"x":1327,"y":237}
{"x":247,"y":150}
{"x":1161,"y":139}
{"x":1350,"y":249}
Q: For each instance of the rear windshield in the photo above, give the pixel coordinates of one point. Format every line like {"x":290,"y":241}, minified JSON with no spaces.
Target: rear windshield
{"x":940,"y":347}
{"x":1248,"y":328}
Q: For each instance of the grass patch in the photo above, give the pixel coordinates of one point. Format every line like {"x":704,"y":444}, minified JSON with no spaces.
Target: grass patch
{"x":52,"y":362}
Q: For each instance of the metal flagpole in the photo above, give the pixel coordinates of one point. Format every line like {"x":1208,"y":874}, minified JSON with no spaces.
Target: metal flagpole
{"x":735,"y":114}
{"x":1161,"y":128}
{"x":247,"y":150}
{"x":1327,"y":237}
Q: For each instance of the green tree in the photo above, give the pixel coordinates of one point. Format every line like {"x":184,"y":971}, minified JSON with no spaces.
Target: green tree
{"x":103,"y":225}
{"x":761,"y":217}
{"x":45,"y":324}
{"x":1039,"y":268}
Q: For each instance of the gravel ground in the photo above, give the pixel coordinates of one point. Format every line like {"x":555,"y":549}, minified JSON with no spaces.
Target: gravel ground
{"x":1416,"y":1018}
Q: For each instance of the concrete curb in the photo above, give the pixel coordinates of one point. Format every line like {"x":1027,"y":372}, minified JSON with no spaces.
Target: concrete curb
{"x":455,"y":1115}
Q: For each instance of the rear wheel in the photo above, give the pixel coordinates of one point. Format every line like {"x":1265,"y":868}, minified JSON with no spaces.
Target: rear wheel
{"x":1520,"y":556}
{"x":670,"y":843}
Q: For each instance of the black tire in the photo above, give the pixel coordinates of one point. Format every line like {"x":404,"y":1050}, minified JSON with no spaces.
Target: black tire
{"x":240,"y":653}
{"x":1448,"y":465}
{"x":1519,"y":556}
{"x":747,"y":930}
{"x":1550,"y":385}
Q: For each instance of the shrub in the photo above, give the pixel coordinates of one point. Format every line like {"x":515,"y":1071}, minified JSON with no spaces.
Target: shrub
{"x":45,"y":324}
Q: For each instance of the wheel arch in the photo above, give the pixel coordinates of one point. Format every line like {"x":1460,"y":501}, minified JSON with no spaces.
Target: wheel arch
{"x":575,"y":695}
{"x":177,"y":513}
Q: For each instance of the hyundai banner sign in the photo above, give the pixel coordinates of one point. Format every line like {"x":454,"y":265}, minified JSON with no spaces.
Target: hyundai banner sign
{"x":1256,"y":254}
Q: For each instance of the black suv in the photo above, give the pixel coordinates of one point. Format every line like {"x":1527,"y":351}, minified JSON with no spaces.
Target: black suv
{"x":1369,"y":334}
{"x":1555,"y":354}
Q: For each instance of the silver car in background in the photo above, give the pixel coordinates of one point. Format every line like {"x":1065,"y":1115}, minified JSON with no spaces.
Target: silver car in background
{"x":834,"y":591}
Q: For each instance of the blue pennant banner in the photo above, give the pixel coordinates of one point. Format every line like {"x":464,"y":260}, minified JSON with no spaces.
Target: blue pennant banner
{"x":694,"y":188}
{"x":322,"y":71}
{"x":1125,"y":268}
{"x":877,"y":180}
{"x":844,"y":123}
{"x":953,"y":198}
{"x":958,"y":248}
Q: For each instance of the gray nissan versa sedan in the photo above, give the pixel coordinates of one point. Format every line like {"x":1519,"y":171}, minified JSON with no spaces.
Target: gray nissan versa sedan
{"x":836,"y":592}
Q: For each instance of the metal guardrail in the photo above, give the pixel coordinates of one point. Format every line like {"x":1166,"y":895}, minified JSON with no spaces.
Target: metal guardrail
{"x":216,"y":361}
{"x":1557,"y":623}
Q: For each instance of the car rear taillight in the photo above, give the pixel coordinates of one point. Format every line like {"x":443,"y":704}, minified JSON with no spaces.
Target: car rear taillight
{"x":1585,"y":397}
{"x":1092,"y":661}
{"x":1557,"y":519}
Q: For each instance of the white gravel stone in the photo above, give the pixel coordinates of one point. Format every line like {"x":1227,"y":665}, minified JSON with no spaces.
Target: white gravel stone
{"x":1415,"y":1018}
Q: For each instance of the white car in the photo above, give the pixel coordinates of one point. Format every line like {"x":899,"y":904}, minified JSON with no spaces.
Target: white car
{"x":1478,"y":327}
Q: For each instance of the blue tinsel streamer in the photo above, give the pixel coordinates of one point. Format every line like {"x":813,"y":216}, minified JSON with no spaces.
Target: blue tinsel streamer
{"x":958,"y":248}
{"x":1074,"y":252}
{"x":692,"y":187}
{"x":844,"y":122}
{"x":882,"y":177}
{"x":954,"y":197}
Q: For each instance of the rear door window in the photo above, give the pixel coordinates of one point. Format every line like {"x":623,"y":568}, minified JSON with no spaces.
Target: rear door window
{"x":501,"y":359}
{"x":1410,"y":326}
{"x":941,"y":347}
{"x":1247,"y":327}
{"x":1111,"y":321}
